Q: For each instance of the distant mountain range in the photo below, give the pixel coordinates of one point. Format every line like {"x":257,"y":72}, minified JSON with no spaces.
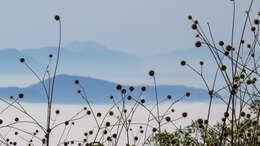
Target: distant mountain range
{"x":76,"y":57}
{"x":99,"y":91}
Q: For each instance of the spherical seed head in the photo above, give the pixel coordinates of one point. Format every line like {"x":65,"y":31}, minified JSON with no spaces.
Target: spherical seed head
{"x":226,"y":53}
{"x":107,"y":124}
{"x":206,"y":121}
{"x":105,"y":132}
{"x":111,"y":113}
{"x":109,"y":138}
{"x":50,"y":55}
{"x":189,"y":17}
{"x":16,"y":119}
{"x":131,"y":88}
{"x":78,"y":91}
{"x":142,"y":101}
{"x":88,"y":112}
{"x":248,"y":46}
{"x":248,"y":82}
{"x":129,"y":97}
{"x":11,"y":97}
{"x":223,"y":67}
{"x":111,"y":97}
{"x":66,"y":122}
{"x":200,"y":121}
{"x":196,"y":21}
{"x":22,"y":60}
{"x":154,"y":129}
{"x":184,"y":114}
{"x":168,"y":119}
{"x":242,"y":114}
{"x":20,"y":95}
{"x":90,"y":132}
{"x":123,"y":91}
{"x":228,"y":47}
{"x":242,"y":41}
{"x":57,"y":111}
{"x":194,"y":26}
{"x":143,"y":88}
{"x":173,"y":110}
{"x":248,"y":116}
{"x":201,"y":63}
{"x":256,"y":21}
{"x":76,"y":81}
{"x":183,"y":62}
{"x":210,"y":92}
{"x":43,"y":140}
{"x":221,"y":43}
{"x":226,"y":114}
{"x":253,"y":28}
{"x":98,"y":114}
{"x":114,"y":135}
{"x":57,"y":17}
{"x":1,"y":121}
{"x":118,"y":87}
{"x":187,"y":94}
{"x":198,"y":44}
{"x":197,"y":35}
{"x":169,"y":96}
{"x":135,"y":138}
{"x":151,"y":73}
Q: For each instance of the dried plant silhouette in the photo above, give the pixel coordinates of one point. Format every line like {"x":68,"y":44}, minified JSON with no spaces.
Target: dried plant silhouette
{"x":114,"y":125}
{"x":237,"y":67}
{"x":235,"y":83}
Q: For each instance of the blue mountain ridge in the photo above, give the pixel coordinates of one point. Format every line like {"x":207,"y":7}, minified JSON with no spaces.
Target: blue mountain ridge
{"x":99,"y":91}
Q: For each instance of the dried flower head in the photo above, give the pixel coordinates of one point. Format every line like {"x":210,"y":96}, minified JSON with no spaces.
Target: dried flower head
{"x":198,"y":44}
{"x":76,"y":81}
{"x":151,"y":73}
{"x":169,"y":96}
{"x":20,"y":95}
{"x":184,"y":114}
{"x":118,"y":87}
{"x":143,"y":88}
{"x":189,"y":17}
{"x":131,"y":88}
{"x":201,"y":63}
{"x":168,"y":119}
{"x":226,"y":114}
{"x":194,"y":26}
{"x":57,"y":17}
{"x":223,"y":67}
{"x":22,"y":60}
{"x":221,"y":43}
{"x":183,"y":62}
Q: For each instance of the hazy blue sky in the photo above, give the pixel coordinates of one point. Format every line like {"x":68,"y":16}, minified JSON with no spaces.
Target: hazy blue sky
{"x":141,"y":27}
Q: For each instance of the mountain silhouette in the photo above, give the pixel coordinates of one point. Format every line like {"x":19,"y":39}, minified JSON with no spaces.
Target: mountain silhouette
{"x":98,"y":91}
